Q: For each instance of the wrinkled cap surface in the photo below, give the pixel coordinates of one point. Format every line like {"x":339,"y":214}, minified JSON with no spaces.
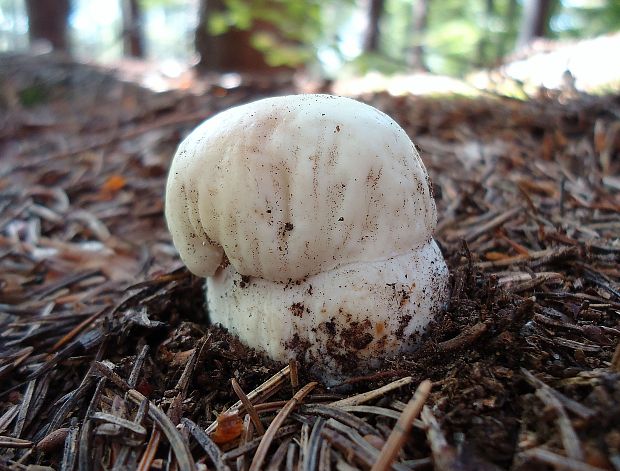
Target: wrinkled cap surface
{"x":292,"y":186}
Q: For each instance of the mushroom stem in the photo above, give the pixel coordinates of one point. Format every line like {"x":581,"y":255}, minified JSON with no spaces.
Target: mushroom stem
{"x":341,"y":322}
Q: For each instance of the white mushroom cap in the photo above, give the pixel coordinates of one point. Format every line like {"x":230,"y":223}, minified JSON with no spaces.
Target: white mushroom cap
{"x":292,"y":186}
{"x":324,"y":210}
{"x":343,"y":321}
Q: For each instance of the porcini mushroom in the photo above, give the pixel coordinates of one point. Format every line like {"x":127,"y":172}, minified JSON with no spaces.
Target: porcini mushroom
{"x":312,"y":218}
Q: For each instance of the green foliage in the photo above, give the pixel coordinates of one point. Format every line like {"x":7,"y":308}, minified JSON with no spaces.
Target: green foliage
{"x":147,"y":4}
{"x":585,"y":18}
{"x":33,"y":95}
{"x":301,"y":27}
{"x":298,"y":23}
{"x":460,"y":36}
{"x":369,"y":62}
{"x":238,"y":14}
{"x":278,"y":53}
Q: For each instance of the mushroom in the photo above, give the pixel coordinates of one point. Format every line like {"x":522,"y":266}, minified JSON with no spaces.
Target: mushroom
{"x":312,"y":218}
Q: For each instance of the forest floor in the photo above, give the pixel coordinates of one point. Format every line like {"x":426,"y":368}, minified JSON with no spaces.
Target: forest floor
{"x":107,"y":360}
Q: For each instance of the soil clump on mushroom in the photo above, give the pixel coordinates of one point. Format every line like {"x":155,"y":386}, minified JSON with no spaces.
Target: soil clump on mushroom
{"x":97,"y":314}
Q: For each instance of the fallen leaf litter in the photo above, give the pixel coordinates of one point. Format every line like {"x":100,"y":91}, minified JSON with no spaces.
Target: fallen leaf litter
{"x":106,"y":359}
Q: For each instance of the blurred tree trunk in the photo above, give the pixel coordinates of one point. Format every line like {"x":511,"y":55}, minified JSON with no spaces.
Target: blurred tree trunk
{"x":373,"y":32}
{"x":534,"y":22}
{"x":133,"y":43}
{"x":47,"y":20}
{"x":485,"y":57}
{"x":511,"y":28}
{"x":231,"y":51}
{"x":419,"y":23}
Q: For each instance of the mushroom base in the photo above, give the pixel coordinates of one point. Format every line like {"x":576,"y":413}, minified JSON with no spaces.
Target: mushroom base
{"x":339,"y":323}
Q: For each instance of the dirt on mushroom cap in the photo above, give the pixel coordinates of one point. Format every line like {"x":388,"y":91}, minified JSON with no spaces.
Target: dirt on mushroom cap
{"x":296,"y":185}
